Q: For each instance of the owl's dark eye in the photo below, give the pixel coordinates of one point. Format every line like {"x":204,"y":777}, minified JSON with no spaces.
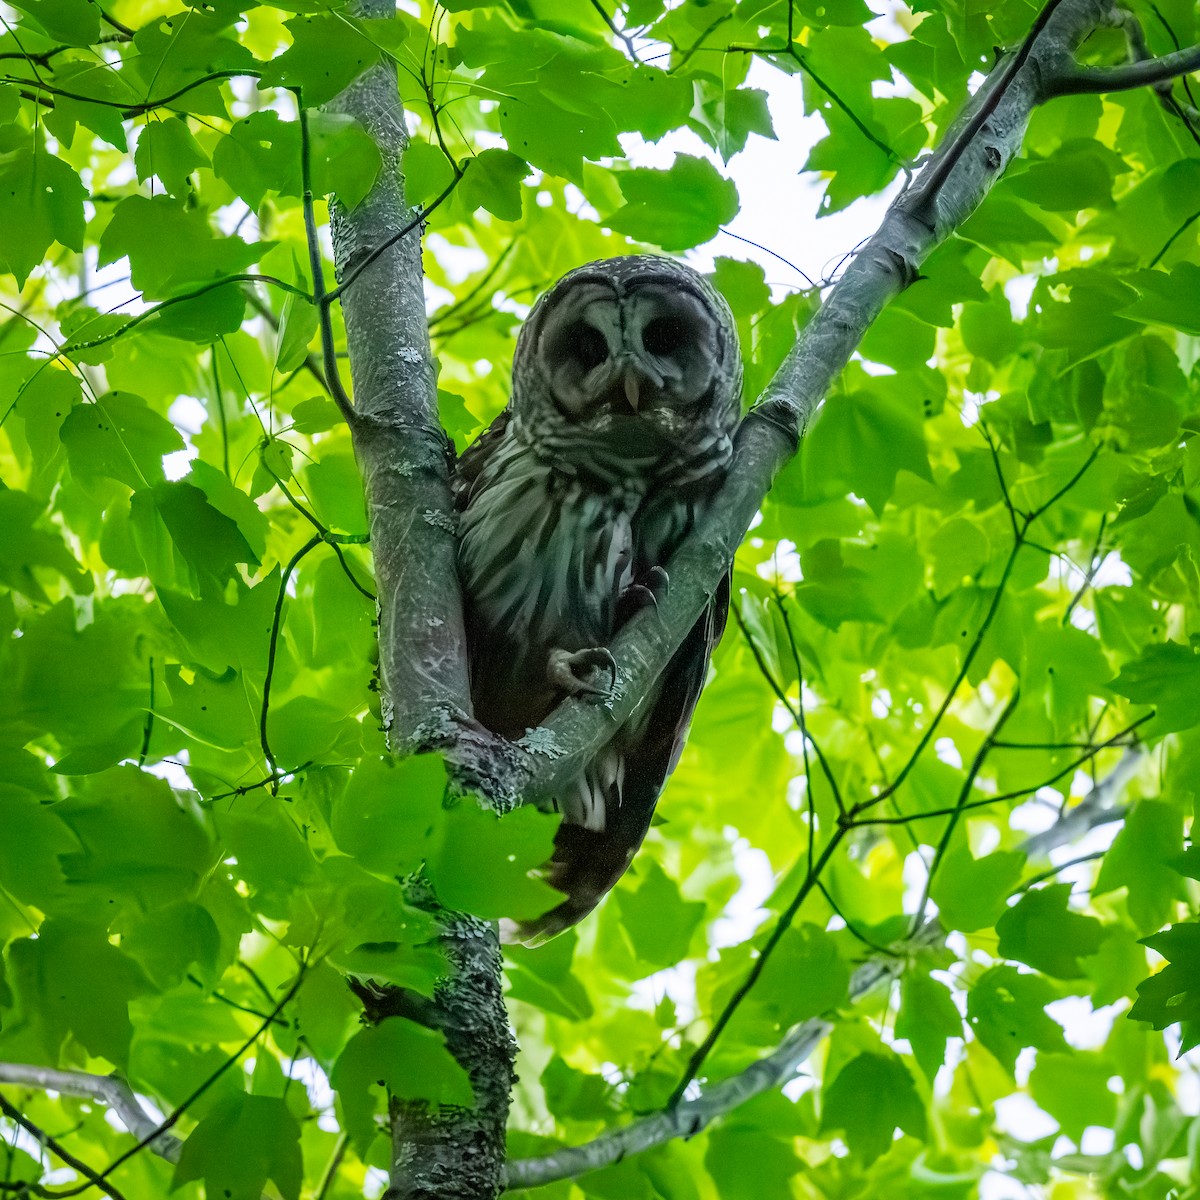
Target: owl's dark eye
{"x":587,"y":344}
{"x":664,"y":336}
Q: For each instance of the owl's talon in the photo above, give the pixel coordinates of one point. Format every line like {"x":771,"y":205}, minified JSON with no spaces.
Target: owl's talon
{"x":576,"y":673}
{"x":634,"y":598}
{"x":645,"y":593}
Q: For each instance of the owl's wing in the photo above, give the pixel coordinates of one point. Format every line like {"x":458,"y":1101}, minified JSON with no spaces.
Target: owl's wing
{"x":475,"y":458}
{"x":628,"y":776}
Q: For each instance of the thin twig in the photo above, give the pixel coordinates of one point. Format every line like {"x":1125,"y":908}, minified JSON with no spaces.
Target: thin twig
{"x":985,"y":748}
{"x":624,"y":37}
{"x":56,"y":1147}
{"x":333,"y":379}
{"x":782,"y":925}
{"x":276,"y":622}
{"x":1095,"y":559}
{"x":331,"y":1167}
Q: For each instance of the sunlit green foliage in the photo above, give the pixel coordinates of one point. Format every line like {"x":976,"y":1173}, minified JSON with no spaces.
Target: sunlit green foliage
{"x":975,"y":588}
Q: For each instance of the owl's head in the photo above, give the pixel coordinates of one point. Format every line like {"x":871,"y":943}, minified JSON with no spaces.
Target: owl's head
{"x":633,"y":337}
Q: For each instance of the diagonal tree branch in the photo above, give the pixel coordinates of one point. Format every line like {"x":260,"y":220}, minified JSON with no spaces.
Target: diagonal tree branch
{"x":1099,"y":807}
{"x":689,"y":1117}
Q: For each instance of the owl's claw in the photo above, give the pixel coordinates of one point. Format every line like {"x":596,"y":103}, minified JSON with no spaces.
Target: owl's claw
{"x":578,"y":673}
{"x":658,"y":581}
{"x":645,"y":593}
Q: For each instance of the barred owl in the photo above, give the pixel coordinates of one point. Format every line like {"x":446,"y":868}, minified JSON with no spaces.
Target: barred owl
{"x":626,"y":388}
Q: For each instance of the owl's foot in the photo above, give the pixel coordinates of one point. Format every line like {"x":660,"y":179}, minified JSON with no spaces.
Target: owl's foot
{"x":590,"y":672}
{"x":645,"y":593}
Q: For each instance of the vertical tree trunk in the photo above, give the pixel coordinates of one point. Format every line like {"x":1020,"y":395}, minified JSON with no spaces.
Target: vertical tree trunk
{"x":442,"y":1153}
{"x":398,"y":438}
{"x":452,"y":1153}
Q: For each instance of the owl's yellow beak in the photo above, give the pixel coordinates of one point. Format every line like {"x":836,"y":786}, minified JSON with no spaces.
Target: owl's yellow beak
{"x":633,"y":386}
{"x":636,"y":375}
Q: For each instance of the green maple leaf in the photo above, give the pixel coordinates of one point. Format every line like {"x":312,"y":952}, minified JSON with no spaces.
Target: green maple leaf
{"x":493,"y":181}
{"x":328,"y":52}
{"x":168,"y":149}
{"x":1139,"y":860}
{"x":120,"y":437}
{"x":971,"y":892}
{"x":260,"y":152}
{"x":24,"y":545}
{"x":34,"y":839}
{"x":1042,"y":931}
{"x":484,"y":864}
{"x":72,"y":980}
{"x":678,"y":208}
{"x":867,"y":438}
{"x":893,"y":1104}
{"x":658,"y":920}
{"x":169,"y":245}
{"x":41,"y":202}
{"x":1006,"y":1012}
{"x":545,"y":977}
{"x":76,"y":22}
{"x":185,"y":540}
{"x":390,"y":812}
{"x":1168,"y":677}
{"x":1073,"y":1089}
{"x":240,"y":1145}
{"x":407,"y":1059}
{"x":928,"y":1017}
{"x":1172,"y":996}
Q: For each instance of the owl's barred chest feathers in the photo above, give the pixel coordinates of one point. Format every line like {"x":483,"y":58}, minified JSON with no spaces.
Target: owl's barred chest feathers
{"x":548,"y":553}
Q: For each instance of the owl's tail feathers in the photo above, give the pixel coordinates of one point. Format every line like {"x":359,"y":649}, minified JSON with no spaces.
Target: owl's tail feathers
{"x":607,"y":817}
{"x":586,"y":865}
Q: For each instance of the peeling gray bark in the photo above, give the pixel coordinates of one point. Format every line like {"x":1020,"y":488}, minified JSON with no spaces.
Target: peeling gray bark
{"x":451,"y":1153}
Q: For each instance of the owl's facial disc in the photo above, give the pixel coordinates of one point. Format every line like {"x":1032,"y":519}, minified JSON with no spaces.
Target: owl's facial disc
{"x":657,"y":348}
{"x":672,"y":348}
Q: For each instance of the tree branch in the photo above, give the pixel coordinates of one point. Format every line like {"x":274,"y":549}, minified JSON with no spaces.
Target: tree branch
{"x":1074,"y":80}
{"x":689,"y":1117}
{"x":108,"y":1089}
{"x":1098,"y":807}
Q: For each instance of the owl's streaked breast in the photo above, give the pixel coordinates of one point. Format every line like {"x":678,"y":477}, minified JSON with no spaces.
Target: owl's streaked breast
{"x":544,"y":559}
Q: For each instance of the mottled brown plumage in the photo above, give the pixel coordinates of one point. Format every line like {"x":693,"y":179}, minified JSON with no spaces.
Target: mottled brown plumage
{"x":626,"y":388}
